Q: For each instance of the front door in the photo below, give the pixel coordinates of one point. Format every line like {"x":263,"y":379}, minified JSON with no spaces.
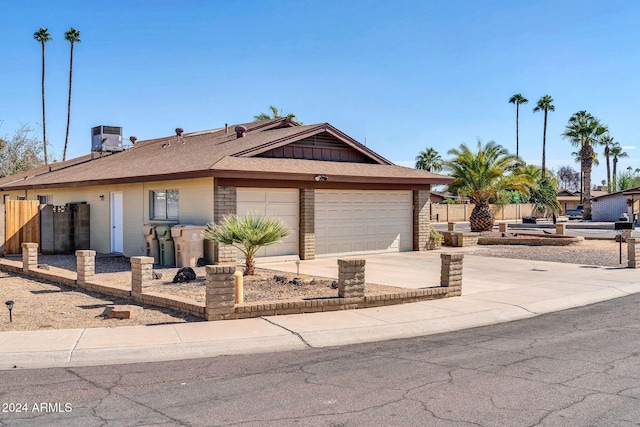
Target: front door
{"x":117,"y":229}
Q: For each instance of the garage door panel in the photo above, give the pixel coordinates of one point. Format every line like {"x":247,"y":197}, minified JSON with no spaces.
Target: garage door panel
{"x":366,"y":220}
{"x":278,"y":203}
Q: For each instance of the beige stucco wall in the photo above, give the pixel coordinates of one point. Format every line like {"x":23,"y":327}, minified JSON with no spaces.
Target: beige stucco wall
{"x":195,"y":207}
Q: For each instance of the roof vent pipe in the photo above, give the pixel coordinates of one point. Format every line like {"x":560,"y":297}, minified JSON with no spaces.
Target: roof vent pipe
{"x":241,"y":131}
{"x":226,"y":128}
{"x":133,"y":139}
{"x":179,"y":132}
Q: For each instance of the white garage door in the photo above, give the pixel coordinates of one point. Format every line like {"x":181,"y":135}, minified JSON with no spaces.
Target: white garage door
{"x":356,"y":221}
{"x":279,"y":203}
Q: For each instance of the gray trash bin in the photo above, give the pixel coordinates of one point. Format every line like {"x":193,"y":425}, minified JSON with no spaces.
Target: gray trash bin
{"x":165,"y":242}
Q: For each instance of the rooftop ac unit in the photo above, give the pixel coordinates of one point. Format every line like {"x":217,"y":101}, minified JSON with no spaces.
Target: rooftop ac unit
{"x":106,"y":138}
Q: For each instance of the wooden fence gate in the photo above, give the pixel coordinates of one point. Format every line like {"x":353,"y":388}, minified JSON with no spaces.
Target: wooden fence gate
{"x":22,"y":224}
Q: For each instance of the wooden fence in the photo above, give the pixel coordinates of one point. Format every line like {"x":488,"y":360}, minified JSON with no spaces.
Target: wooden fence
{"x":22,"y":224}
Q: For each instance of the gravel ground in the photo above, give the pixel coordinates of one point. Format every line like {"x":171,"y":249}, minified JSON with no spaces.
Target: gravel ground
{"x":588,"y":252}
{"x":41,"y":305}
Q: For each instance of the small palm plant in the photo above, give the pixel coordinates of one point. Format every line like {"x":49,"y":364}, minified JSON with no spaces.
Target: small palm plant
{"x":248,"y":233}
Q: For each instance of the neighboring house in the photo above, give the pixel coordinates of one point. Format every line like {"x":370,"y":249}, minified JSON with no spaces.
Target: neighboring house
{"x":571,"y":200}
{"x":441,"y":196}
{"x":611,"y":206}
{"x":335,"y":194}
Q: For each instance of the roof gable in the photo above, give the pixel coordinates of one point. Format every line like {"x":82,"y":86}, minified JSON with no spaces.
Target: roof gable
{"x":319,"y":142}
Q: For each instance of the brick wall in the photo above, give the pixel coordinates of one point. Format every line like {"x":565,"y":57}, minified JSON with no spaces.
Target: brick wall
{"x":421,"y":219}
{"x":226,"y":203}
{"x":307,"y":240}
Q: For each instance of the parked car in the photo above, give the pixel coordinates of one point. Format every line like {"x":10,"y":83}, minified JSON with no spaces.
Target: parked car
{"x":575,"y":213}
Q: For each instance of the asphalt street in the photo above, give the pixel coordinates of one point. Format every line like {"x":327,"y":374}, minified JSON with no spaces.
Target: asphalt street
{"x":575,"y":367}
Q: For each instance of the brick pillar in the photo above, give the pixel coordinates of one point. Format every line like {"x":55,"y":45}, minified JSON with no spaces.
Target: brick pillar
{"x":307,"y":229}
{"x":421,"y":219}
{"x":141,"y":274}
{"x":351,"y":278}
{"x":451,"y":226}
{"x":451,"y":273}
{"x":633,"y":252}
{"x":503,"y":227}
{"x":85,"y":266}
{"x":226,"y":202}
{"x":29,"y":256}
{"x":561,"y":229}
{"x":220,"y":299}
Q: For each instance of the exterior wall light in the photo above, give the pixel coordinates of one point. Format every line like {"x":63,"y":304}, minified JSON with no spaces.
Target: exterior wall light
{"x":102,"y":197}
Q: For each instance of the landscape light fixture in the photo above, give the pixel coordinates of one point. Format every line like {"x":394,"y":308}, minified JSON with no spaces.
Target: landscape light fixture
{"x":321,"y":178}
{"x":298,"y":267}
{"x":10,"y":307}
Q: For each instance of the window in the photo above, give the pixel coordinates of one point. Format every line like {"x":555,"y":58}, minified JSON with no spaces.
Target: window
{"x":164,"y":204}
{"x":45,"y":200}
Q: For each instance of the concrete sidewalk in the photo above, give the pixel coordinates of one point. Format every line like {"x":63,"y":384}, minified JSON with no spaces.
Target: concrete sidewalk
{"x":494,"y":290}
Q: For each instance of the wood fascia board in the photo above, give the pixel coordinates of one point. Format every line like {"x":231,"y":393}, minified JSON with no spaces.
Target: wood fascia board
{"x":291,"y":176}
{"x":114,"y":181}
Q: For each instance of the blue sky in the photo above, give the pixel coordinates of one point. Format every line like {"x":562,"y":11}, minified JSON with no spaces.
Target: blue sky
{"x":402,"y":75}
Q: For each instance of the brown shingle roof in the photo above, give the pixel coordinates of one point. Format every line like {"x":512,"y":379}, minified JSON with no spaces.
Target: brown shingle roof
{"x":206,"y":153}
{"x":335,"y":171}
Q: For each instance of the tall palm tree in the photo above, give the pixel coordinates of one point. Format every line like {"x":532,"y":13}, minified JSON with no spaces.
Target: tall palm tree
{"x":517,"y":99}
{"x":586,"y":132}
{"x":43,"y":36}
{"x":617,"y":153}
{"x":544,"y":104}
{"x":73,"y":37}
{"x":482,"y":175}
{"x":429,"y":160}
{"x":607,"y":140}
{"x":275,"y":114}
{"x":577,"y":157}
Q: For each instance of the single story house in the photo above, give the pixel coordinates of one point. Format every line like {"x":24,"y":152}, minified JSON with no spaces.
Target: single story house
{"x":571,"y":200}
{"x":441,"y":196}
{"x":335,"y":194}
{"x":611,"y":206}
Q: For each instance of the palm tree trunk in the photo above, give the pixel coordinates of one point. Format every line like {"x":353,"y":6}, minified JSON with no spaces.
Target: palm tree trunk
{"x":66,"y":137}
{"x":615,"y":179}
{"x":606,"y":154}
{"x":481,"y":218}
{"x":249,"y":266}
{"x":44,"y":120}
{"x":517,"y":133}
{"x":586,"y":163}
{"x":544,"y":143}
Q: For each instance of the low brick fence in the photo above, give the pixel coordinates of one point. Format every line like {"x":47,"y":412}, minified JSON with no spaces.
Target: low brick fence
{"x":220,"y":284}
